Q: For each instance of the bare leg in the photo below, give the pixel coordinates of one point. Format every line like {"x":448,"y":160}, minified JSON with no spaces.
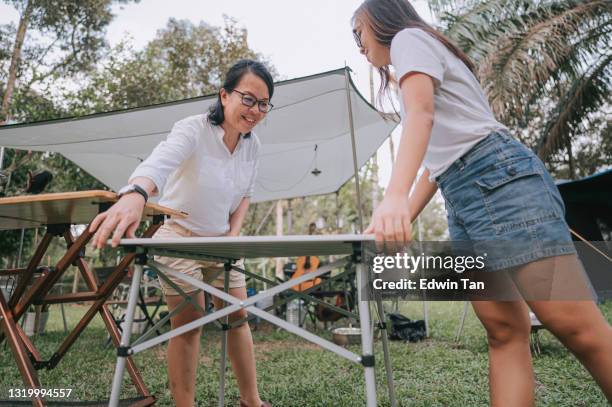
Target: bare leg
{"x":579,"y":325}
{"x":183,"y":351}
{"x":241,"y":353}
{"x":511,"y":377}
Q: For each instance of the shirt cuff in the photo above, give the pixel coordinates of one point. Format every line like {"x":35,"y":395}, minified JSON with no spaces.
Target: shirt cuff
{"x":157,"y":180}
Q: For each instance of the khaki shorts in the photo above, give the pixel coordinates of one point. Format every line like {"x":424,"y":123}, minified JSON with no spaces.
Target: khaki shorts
{"x":208,"y":271}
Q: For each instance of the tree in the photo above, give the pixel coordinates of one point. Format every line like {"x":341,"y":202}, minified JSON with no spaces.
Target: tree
{"x":65,"y":38}
{"x":183,"y":61}
{"x":544,"y":64}
{"x":53,"y":42}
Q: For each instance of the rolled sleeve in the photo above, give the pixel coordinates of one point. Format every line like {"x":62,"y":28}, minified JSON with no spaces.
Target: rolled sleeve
{"x":168,"y":155}
{"x":414,"y":50}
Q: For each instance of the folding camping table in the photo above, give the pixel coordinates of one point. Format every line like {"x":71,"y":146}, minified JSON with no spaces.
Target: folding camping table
{"x":228,"y":250}
{"x":56,"y":212}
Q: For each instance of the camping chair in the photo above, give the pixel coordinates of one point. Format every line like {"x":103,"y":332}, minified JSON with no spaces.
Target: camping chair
{"x":332,"y":297}
{"x":342,"y":292}
{"x":534,"y":336}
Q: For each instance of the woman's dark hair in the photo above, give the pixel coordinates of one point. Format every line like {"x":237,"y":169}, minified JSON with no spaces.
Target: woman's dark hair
{"x":388,"y":17}
{"x":233,"y":76}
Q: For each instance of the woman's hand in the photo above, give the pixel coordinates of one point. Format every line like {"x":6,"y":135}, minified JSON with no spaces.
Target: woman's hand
{"x":121,"y":218}
{"x":392,"y":223}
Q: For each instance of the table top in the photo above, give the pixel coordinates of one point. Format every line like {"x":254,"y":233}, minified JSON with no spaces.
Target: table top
{"x":254,"y":246}
{"x":28,"y":211}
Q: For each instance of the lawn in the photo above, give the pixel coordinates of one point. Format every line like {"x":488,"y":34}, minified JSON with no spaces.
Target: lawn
{"x":292,"y":372}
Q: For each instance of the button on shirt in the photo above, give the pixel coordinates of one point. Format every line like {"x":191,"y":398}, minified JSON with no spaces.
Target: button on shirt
{"x":462,"y":115}
{"x":195,"y":172}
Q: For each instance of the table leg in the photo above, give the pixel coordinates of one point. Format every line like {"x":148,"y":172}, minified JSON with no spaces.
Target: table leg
{"x":93,"y":284}
{"x":466,"y":305}
{"x":125,"y":336}
{"x":24,"y":278}
{"x":385,"y":342}
{"x":28,"y":373}
{"x":426,"y":317}
{"x":367,"y":348}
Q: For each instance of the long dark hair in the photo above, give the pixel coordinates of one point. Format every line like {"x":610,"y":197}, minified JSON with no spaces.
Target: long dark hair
{"x":388,"y":17}
{"x":233,"y":76}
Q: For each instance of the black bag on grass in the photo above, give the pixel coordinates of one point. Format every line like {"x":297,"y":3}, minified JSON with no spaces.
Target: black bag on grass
{"x":405,"y":329}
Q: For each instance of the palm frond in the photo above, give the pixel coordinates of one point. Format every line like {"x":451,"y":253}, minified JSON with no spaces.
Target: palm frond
{"x":576,"y":62}
{"x":476,"y":29}
{"x":524,"y":61}
{"x":585,"y":96}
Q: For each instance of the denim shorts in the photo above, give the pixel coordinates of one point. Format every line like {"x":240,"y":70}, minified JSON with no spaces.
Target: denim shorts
{"x":500,"y":198}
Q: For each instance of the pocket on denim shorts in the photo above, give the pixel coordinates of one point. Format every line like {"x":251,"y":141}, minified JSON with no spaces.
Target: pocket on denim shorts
{"x":516,"y":195}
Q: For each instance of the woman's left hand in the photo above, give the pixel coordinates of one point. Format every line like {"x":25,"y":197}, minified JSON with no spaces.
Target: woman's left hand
{"x":391,"y":223}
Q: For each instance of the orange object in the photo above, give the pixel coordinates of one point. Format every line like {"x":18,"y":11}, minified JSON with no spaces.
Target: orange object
{"x":306,"y":264}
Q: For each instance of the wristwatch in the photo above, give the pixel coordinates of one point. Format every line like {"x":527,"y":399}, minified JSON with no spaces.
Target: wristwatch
{"x":133,"y":188}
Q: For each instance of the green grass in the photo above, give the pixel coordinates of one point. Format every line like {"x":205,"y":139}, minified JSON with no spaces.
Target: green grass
{"x":292,"y":372}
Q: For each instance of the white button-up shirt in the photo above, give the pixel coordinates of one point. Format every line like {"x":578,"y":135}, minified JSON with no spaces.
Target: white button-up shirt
{"x":195,"y":172}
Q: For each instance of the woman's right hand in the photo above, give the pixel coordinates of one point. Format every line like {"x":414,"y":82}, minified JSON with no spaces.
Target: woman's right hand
{"x":121,"y":218}
{"x":391,"y":223}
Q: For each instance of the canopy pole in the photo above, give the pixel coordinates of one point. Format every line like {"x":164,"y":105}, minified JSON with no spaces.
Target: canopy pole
{"x":289,"y":217}
{"x":279,"y":232}
{"x":264,"y":219}
{"x":375,"y":156}
{"x":354,"y":146}
{"x":337,"y":211}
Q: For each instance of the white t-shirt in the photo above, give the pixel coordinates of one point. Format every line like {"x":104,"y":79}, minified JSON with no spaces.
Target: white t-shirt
{"x":462,"y":115}
{"x":196,"y":173}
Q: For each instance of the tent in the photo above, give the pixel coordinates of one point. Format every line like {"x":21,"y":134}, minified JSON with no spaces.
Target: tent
{"x":588,"y":211}
{"x":307,"y":148}
{"x":588,"y":203}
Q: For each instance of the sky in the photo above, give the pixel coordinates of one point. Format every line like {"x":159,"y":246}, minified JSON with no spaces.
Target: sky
{"x":300,"y":38}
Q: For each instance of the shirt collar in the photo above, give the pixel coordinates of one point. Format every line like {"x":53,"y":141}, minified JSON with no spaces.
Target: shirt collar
{"x":219,"y":133}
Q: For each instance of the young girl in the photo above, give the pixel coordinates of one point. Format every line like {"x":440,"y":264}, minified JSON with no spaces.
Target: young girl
{"x":495,"y":189}
{"x":206,"y":167}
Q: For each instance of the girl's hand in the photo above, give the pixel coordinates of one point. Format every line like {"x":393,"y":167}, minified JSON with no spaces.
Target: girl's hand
{"x":391,"y":223}
{"x":122,"y":218}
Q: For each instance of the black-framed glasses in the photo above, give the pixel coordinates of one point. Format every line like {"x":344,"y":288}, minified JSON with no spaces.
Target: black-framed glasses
{"x":263,"y":105}
{"x":357,"y":37}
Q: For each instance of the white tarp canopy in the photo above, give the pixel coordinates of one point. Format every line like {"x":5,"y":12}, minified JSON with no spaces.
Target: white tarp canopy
{"x":308,"y":130}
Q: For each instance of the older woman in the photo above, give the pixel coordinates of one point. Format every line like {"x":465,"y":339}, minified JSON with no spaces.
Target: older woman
{"x":206,"y":167}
